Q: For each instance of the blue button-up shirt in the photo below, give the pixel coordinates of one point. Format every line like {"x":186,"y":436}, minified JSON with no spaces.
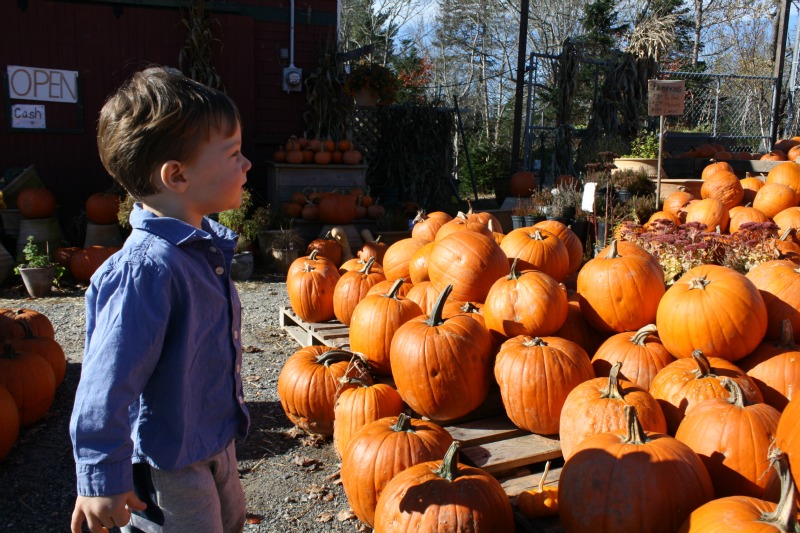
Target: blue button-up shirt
{"x":161,"y":380}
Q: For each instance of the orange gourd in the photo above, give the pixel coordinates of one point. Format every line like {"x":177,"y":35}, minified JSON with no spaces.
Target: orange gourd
{"x":640,"y":353}
{"x":359,"y":402}
{"x":541,"y":501}
{"x":351,"y":288}
{"x":775,"y":368}
{"x":539,"y":249}
{"x":9,"y":422}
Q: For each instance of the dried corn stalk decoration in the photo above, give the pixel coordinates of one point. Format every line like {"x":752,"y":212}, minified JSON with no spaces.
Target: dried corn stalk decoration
{"x":194,"y":59}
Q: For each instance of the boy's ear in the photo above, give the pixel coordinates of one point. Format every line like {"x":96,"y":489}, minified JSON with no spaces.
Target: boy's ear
{"x":172,"y":176}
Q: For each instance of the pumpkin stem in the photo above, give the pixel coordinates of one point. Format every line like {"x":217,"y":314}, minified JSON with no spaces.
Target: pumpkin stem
{"x":513,"y":274}
{"x":350,"y":380}
{"x":613,"y":390}
{"x":395,"y":287}
{"x":612,"y":250}
{"x":8,"y":351}
{"x":703,"y":365}
{"x":436,"y":313}
{"x":640,"y":336}
{"x":365,"y":269}
{"x":470,"y":211}
{"x":377,"y":239}
{"x":784,"y":516}
{"x":735,"y":394}
{"x":469,"y":307}
{"x":420,"y":217}
{"x":461,"y":215}
{"x":334,"y":356}
{"x":535,"y":341}
{"x":787,"y":234}
{"x":537,"y":235}
{"x":698,"y":283}
{"x":313,"y":254}
{"x":449,"y":467}
{"x":403,"y":424}
{"x":636,"y":433}
{"x":544,"y":475}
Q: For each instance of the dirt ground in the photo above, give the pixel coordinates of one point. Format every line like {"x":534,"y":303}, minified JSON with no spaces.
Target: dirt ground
{"x":291,"y":480}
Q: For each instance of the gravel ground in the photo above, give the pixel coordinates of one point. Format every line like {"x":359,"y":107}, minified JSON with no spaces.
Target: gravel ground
{"x":291,"y":480}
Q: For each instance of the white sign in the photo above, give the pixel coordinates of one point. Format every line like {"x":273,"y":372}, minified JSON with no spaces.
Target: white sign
{"x":42,"y":84}
{"x":587,"y":201}
{"x":665,"y":97}
{"x":28,"y":116}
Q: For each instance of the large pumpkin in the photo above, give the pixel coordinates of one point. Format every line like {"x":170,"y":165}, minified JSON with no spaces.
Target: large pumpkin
{"x":598,"y":405}
{"x":732,"y":438}
{"x":713,"y":309}
{"x":525,"y":303}
{"x":537,"y":248}
{"x":382,"y":449}
{"x":786,"y":174}
{"x":9,"y":422}
{"x":535,"y":376}
{"x":374,"y":322}
{"x":775,"y":367}
{"x":359,"y":402}
{"x":620,"y":293}
{"x":16,"y":323}
{"x":397,"y":258}
{"x":773,"y":198}
{"x":102,"y":208}
{"x":686,"y":382}
{"x":442,"y":366}
{"x":36,"y":203}
{"x":443,"y":496}
{"x":709,"y":212}
{"x":307,"y":387}
{"x":778,"y":282}
{"x":725,"y":187}
{"x":597,"y":492}
{"x":31,"y":382}
{"x":787,"y":436}
{"x":310,"y":283}
{"x":426,"y":226}
{"x":84,"y":262}
{"x":351,"y":288}
{"x":641,"y":355}
{"x":522,"y":183}
{"x":570,"y":240}
{"x":337,"y":208}
{"x":469,"y":261}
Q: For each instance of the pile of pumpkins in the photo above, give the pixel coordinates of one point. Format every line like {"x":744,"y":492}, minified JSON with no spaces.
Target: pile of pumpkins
{"x":334,"y":206}
{"x":32,"y":366}
{"x":670,"y":403}
{"x":782,"y":150}
{"x":301,"y":150}
{"x":81,"y":262}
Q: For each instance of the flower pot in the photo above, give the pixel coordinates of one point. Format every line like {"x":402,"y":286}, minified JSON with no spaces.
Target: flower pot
{"x":38,"y":281}
{"x":639,"y":164}
{"x":282,"y":259}
{"x":530,"y":220}
{"x":102,"y":235}
{"x":623,"y":195}
{"x":242,"y":266}
{"x":581,"y":229}
{"x":366,"y":98}
{"x":517,"y":221}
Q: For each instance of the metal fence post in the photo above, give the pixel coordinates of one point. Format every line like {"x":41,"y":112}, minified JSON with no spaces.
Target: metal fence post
{"x":716,"y":107}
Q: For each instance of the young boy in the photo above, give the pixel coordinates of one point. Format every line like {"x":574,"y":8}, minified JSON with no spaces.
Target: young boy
{"x":160,"y":399}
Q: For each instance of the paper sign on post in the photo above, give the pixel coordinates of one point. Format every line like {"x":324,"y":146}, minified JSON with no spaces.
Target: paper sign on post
{"x":587,"y":202}
{"x":665,"y":97}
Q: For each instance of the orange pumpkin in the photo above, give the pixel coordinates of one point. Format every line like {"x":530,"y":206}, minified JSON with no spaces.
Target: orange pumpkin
{"x":541,"y":501}
{"x":102,"y":208}
{"x":310,"y":283}
{"x":397,"y":259}
{"x":36,"y":203}
{"x":16,"y":323}
{"x":570,"y":240}
{"x":732,"y":438}
{"x":446,"y":492}
{"x":788,"y":174}
{"x":381,"y":450}
{"x":751,"y":185}
{"x":778,"y":282}
{"x":536,"y":248}
{"x":773,"y":198}
{"x":598,"y":405}
{"x":9,"y":422}
{"x":620,"y":293}
{"x":30,"y":380}
{"x":684,"y":383}
{"x":728,"y":314}
{"x":775,"y":368}
{"x":351,"y":288}
{"x":374,"y":322}
{"x":359,"y":402}
{"x":709,"y":212}
{"x":426,"y":227}
{"x":525,"y":366}
{"x":745,"y":215}
{"x":641,"y":355}
{"x":522,"y":183}
{"x":713,"y":167}
{"x":595,"y":492}
{"x":83,"y":263}
{"x":307,"y":386}
{"x":469,"y":261}
{"x":725,"y":187}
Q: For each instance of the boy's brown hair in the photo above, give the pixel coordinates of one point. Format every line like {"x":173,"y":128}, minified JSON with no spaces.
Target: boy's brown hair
{"x":156,"y":116}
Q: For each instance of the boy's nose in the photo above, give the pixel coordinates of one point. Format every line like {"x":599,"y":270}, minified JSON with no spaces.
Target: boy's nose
{"x":246,"y":164}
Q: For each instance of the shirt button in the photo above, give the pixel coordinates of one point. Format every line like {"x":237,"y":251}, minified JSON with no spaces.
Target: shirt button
{"x":219,"y":270}
{"x":212,"y":249}
{"x":236,"y":335}
{"x":241,"y":399}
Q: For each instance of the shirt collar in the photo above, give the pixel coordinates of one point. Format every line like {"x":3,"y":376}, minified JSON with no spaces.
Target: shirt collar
{"x":176,"y":231}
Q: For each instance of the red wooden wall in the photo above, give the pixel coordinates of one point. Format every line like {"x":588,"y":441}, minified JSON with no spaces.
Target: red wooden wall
{"x":107,"y":40}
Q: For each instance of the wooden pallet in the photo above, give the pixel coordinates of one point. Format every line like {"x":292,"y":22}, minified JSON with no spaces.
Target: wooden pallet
{"x":332,"y":333}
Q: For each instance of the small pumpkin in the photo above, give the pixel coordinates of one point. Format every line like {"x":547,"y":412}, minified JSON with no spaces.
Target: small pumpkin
{"x":359,"y":402}
{"x":641,"y":355}
{"x":30,"y":380}
{"x":541,"y":501}
{"x":102,"y":208}
{"x":36,"y":203}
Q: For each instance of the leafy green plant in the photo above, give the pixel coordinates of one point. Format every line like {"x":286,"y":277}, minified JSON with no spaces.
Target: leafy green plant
{"x":245,"y":221}
{"x":34,"y":258}
{"x":644,"y":146}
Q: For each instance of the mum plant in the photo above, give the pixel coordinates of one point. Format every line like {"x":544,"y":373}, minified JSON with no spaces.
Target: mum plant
{"x":374,"y":78}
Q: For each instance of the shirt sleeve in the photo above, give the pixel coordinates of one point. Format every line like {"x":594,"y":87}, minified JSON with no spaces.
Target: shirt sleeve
{"x":127,"y":314}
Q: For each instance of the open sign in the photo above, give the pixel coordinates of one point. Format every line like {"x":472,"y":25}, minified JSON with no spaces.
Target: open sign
{"x":43,"y":84}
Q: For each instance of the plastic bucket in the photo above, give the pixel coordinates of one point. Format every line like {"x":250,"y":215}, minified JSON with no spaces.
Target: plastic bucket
{"x":102,"y":235}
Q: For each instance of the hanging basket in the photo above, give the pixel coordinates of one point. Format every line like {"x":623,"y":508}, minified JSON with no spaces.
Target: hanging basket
{"x":366,"y":98}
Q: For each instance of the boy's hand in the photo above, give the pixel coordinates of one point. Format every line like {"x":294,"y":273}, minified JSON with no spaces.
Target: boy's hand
{"x":104,"y":512}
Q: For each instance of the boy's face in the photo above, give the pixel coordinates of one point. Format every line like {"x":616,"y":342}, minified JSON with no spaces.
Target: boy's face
{"x":216,"y":174}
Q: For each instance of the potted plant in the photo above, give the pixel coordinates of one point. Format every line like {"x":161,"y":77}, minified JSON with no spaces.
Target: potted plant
{"x":563,"y":204}
{"x":371,"y":83}
{"x":629,"y":182}
{"x":282,"y":245}
{"x":38,"y":272}
{"x":643,"y":155}
{"x":536,"y":207}
{"x":247,"y":224}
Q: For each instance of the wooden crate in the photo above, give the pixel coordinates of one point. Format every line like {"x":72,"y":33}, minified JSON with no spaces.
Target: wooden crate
{"x":284,"y":179}
{"x":332,"y":333}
